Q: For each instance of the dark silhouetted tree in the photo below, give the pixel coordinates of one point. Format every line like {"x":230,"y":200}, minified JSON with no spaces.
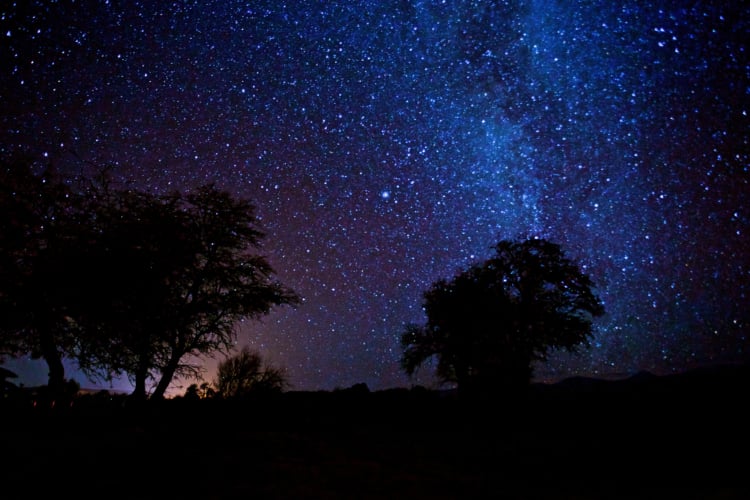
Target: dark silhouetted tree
{"x":245,"y":373}
{"x":225,"y":282}
{"x":123,"y":281}
{"x":173,"y":275}
{"x":36,"y":235}
{"x":491,"y":322}
{"x":129,"y":283}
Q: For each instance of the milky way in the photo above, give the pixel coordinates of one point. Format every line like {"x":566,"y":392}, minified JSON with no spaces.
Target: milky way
{"x":389,"y":144}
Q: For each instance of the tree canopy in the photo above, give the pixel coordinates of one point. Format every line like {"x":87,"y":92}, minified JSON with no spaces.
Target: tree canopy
{"x":186,"y":271}
{"x":491,"y":322}
{"x":36,"y":232}
{"x":128,"y":282}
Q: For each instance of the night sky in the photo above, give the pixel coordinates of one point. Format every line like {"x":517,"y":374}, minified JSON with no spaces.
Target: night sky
{"x":389,"y":144}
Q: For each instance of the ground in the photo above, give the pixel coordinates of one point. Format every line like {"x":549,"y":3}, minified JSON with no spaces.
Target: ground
{"x":685,"y":438}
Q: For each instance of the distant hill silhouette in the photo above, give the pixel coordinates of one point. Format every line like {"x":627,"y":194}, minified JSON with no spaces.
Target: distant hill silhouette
{"x":721,"y":377}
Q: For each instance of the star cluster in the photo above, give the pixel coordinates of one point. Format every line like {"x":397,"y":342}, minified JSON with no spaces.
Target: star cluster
{"x":388,"y":144}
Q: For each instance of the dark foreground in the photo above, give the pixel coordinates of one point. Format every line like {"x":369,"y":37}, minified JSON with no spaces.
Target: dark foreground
{"x":680,"y":437}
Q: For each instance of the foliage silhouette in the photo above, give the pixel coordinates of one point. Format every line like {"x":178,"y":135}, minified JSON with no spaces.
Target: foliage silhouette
{"x":195,"y":392}
{"x":124,"y":281}
{"x":245,"y":373}
{"x":8,"y":389}
{"x":36,"y":232}
{"x":186,"y":273}
{"x":491,"y":322}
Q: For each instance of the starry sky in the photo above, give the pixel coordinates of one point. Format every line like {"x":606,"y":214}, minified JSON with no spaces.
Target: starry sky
{"x":387,"y":144}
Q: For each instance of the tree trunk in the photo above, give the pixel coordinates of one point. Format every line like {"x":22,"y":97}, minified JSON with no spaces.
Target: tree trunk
{"x":166,"y":378}
{"x":56,"y":374}
{"x":139,"y":391}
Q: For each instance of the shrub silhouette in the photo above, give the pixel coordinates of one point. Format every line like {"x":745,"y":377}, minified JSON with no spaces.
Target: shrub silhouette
{"x":245,"y":373}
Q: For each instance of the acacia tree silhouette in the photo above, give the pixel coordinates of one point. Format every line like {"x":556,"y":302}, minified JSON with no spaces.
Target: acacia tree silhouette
{"x":186,"y":272}
{"x":491,"y":322}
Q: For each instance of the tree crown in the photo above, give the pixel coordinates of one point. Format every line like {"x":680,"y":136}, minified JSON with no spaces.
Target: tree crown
{"x":493,"y":320}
